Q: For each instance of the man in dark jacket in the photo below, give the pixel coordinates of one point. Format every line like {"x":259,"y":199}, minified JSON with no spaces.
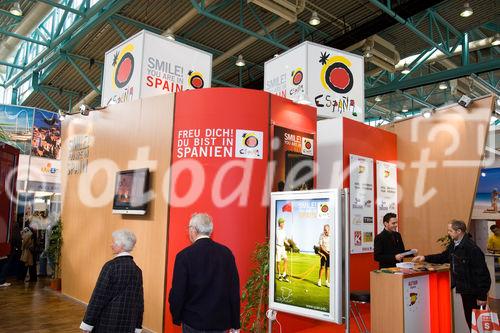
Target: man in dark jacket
{"x":469,"y":273}
{"x":389,"y":245}
{"x":205,"y":294}
{"x":117,"y":303}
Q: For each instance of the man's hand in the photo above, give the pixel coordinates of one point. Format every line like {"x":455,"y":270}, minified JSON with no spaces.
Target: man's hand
{"x":399,"y":257}
{"x":418,"y":259}
{"x":482,"y":303}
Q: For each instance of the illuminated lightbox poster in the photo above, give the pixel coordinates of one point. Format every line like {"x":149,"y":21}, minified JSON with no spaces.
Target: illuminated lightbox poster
{"x":387,"y":191}
{"x":362,"y":204}
{"x":306,"y":241}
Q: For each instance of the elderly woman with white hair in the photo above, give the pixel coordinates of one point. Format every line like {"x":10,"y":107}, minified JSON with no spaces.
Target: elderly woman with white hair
{"x":117,"y":303}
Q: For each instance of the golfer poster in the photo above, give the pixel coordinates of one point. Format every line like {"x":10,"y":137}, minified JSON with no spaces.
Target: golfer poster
{"x":305,"y":267}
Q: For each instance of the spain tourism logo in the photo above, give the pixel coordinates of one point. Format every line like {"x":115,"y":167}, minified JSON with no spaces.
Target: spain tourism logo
{"x":336,"y":74}
{"x":297,"y":76}
{"x":123,"y":66}
{"x":195,"y":79}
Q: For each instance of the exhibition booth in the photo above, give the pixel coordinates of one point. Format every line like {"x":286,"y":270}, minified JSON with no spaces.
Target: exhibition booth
{"x":253,"y":158}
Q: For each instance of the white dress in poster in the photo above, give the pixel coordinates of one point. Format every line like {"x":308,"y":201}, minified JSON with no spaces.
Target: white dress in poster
{"x":387,"y":191}
{"x":362,"y":204}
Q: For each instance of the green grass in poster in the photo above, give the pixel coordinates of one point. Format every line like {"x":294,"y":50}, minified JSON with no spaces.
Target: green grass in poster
{"x":302,"y":290}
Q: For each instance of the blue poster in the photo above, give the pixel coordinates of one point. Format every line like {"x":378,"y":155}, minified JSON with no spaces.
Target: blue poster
{"x":46,"y":140}
{"x":16,"y":124}
{"x":487,"y":205}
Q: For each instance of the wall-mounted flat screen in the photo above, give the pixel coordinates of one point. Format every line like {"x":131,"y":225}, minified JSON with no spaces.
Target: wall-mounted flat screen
{"x":131,"y":190}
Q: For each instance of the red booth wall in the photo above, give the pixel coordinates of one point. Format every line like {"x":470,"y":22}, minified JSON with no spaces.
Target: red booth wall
{"x":9,"y":157}
{"x":237,"y":225}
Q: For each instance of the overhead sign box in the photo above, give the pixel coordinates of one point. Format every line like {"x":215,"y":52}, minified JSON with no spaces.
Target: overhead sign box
{"x":147,"y":64}
{"x":329,"y":79}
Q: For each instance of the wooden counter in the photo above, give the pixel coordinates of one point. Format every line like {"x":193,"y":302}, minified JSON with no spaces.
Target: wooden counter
{"x":410,"y":302}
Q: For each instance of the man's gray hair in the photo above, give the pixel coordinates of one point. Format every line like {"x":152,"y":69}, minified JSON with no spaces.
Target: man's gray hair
{"x":124,"y":238}
{"x":458,"y":225}
{"x":202,"y":223}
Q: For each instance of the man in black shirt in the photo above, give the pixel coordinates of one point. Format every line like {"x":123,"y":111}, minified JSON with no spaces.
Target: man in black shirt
{"x":389,"y":244}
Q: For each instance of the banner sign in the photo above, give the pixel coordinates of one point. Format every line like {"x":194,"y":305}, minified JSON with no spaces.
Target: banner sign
{"x":305,"y":244}
{"x":387,"y":191}
{"x":218,"y":143}
{"x":148,"y":64}
{"x":362,"y":204}
{"x":328,"y":79}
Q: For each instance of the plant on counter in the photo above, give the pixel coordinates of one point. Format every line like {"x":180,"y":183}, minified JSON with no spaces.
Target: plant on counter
{"x":254,"y":296}
{"x":444,"y":241}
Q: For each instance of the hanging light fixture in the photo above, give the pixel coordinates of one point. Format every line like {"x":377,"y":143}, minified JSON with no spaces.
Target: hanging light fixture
{"x":16,"y":9}
{"x":443,"y":86}
{"x":314,"y":20}
{"x":467,"y":11}
{"x":169,"y":34}
{"x":406,"y":69}
{"x":496,"y":40}
{"x":240,"y":62}
{"x":378,"y":99}
{"x":404,"y":108}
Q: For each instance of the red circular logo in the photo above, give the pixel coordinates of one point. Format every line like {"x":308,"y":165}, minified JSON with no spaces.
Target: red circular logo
{"x":197,"y":82}
{"x":308,"y":145}
{"x":251,"y":142}
{"x":297,"y":77}
{"x":124,"y":70}
{"x":324,"y":208}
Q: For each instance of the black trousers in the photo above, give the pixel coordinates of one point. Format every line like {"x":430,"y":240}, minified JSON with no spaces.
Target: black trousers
{"x":469,"y":302}
{"x":189,"y":329}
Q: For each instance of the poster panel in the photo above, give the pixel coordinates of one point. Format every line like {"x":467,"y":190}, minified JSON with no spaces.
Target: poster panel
{"x":306,"y":242}
{"x":170,"y":66}
{"x":293,"y":154}
{"x":417,"y":304}
{"x":285,"y":75}
{"x":387,"y":191}
{"x":361,"y":204}
{"x":46,"y":141}
{"x":486,"y":204}
{"x":122,"y":69}
{"x":16,"y":123}
{"x":336,"y":82}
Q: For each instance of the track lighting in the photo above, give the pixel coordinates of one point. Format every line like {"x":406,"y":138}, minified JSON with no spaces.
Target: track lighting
{"x":16,"y":9}
{"x":467,"y":11}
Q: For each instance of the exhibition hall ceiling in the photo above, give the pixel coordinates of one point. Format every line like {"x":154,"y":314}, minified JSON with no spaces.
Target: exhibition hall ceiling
{"x":60,"y":45}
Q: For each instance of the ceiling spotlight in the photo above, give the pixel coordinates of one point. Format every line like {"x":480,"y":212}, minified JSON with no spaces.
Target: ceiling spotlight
{"x":467,"y":11}
{"x":240,"y":62}
{"x":483,"y":174}
{"x":406,"y":69}
{"x":496,"y":40}
{"x":378,"y":99}
{"x":16,"y":9}
{"x":314,"y":20}
{"x":61,"y":114}
{"x":169,"y":34}
{"x":443,"y":86}
{"x":404,"y":108}
{"x":84,"y":109}
{"x":398,"y":117}
{"x":276,"y":55}
{"x":427,"y":113}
